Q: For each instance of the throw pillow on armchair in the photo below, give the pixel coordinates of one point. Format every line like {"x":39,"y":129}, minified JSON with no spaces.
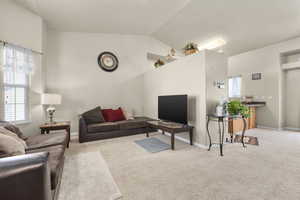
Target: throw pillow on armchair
{"x":10,"y":146}
{"x":9,"y":126}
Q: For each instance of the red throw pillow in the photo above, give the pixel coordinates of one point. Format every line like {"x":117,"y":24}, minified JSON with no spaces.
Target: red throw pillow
{"x":105,"y":113}
{"x":115,"y":115}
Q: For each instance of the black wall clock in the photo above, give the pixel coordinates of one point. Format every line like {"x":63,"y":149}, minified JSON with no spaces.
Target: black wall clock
{"x":108,"y":61}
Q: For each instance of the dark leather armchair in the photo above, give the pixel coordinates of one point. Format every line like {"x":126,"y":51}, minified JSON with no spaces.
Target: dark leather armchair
{"x":25,"y":177}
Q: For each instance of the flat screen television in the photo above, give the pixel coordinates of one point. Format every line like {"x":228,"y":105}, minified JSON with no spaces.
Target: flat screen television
{"x":173,"y":108}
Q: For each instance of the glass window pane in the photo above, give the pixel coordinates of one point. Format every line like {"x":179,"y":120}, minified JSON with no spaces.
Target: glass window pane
{"x":9,"y":95}
{"x":20,"y":112}
{"x":8,"y":77}
{"x":20,"y":78}
{"x":8,"y":56}
{"x":9,"y":112}
{"x":20,"y":95}
{"x":234,"y":87}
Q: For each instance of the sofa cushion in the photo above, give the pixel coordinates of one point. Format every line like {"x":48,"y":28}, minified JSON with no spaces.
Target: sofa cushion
{"x":103,"y":127}
{"x":93,"y":116}
{"x":41,"y":141}
{"x":132,"y":124}
{"x":55,"y":160}
{"x":115,"y":115}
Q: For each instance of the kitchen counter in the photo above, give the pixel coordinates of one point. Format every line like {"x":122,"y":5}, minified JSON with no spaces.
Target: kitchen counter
{"x":255,"y":103}
{"x":236,"y":125}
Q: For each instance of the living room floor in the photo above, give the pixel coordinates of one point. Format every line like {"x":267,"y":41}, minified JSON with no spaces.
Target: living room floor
{"x":268,"y":171}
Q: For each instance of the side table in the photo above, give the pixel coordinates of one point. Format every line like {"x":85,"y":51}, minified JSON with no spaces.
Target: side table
{"x":220,"y":119}
{"x":46,"y":128}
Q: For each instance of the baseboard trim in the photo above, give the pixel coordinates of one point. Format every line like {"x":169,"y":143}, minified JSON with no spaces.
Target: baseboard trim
{"x":291,"y":129}
{"x":74,"y":134}
{"x":267,"y":127}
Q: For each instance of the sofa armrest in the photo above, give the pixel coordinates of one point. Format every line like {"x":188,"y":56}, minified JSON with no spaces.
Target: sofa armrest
{"x":25,"y":177}
{"x":82,"y":129}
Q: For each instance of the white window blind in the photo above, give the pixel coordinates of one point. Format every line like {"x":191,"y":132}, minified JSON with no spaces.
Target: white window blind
{"x":234,"y":87}
{"x":17,"y":65}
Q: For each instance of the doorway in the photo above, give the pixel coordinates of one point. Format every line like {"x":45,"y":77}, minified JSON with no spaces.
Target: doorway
{"x":292,"y":99}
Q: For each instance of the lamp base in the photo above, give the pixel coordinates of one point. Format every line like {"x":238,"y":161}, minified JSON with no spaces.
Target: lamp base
{"x":51,"y":111}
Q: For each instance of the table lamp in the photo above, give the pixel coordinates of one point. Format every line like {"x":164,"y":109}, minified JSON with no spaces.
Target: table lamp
{"x":51,"y":100}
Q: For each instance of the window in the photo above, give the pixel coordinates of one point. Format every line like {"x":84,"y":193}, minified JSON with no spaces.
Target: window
{"x":17,"y":65}
{"x":234,"y":87}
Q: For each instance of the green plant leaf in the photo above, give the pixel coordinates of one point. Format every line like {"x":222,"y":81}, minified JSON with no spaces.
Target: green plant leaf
{"x":235,"y":107}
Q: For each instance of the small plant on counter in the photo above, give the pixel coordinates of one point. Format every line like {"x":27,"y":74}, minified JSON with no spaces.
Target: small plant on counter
{"x":237,"y":108}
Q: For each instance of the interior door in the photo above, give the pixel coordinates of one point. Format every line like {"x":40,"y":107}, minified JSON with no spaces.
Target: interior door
{"x":292,"y":99}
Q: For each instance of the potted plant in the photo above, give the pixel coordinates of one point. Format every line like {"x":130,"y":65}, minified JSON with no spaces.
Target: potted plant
{"x":235,"y":107}
{"x":190,"y":48}
{"x":158,"y":63}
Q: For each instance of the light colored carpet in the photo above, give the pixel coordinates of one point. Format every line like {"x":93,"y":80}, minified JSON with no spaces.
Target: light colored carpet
{"x":86,"y":176}
{"x":268,"y":171}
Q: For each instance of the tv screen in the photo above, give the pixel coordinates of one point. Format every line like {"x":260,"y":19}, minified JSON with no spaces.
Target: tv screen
{"x":173,"y":108}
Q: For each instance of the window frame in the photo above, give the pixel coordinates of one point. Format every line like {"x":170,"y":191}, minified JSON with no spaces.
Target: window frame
{"x":14,"y":86}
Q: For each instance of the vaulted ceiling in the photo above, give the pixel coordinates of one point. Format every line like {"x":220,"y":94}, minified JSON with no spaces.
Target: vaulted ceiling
{"x":244,"y":24}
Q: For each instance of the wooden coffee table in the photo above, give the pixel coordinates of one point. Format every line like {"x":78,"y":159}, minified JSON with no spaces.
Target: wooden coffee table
{"x":171,"y":128}
{"x":46,"y":128}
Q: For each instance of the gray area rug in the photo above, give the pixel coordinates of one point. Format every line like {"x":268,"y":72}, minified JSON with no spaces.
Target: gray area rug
{"x":152,"y":145}
{"x":86,"y":176}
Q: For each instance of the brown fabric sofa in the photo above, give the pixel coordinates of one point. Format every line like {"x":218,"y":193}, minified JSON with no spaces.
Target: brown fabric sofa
{"x":39,"y":169}
{"x":105,"y":130}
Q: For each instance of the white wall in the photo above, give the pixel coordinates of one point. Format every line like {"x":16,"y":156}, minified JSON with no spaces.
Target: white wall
{"x":183,"y":76}
{"x":216,"y":70}
{"x":73,"y":71}
{"x":21,"y":27}
{"x":192,"y":75}
{"x":267,"y":61}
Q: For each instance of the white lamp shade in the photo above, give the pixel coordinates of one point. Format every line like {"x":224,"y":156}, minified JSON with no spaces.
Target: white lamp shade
{"x":51,"y":99}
